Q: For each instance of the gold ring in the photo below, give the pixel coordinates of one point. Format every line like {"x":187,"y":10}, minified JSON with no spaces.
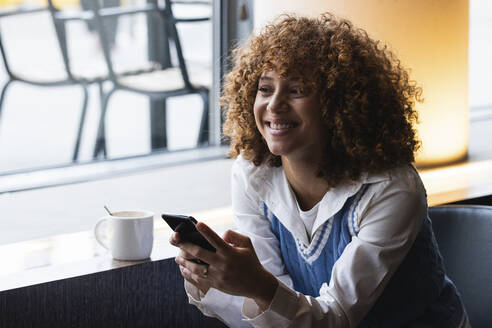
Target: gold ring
{"x":205,"y":272}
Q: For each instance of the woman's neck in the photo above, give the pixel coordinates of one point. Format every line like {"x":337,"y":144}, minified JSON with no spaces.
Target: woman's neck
{"x":308,"y":187}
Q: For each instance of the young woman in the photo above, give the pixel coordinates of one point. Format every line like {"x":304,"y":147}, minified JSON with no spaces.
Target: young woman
{"x":331,"y":214}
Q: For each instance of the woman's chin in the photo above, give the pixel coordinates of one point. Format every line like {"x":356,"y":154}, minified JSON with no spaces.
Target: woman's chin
{"x":278,"y":150}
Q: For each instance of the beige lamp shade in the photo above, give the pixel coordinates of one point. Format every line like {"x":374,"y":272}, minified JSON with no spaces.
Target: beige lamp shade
{"x":431,"y":39}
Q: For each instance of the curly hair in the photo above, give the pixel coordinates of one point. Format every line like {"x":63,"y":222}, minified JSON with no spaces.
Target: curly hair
{"x":367,"y":100}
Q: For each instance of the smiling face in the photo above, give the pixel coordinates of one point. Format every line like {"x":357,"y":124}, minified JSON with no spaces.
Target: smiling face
{"x":289,"y":121}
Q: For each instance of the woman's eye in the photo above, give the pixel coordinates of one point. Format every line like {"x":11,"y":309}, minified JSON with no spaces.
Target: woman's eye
{"x":296,"y":92}
{"x":264,"y":89}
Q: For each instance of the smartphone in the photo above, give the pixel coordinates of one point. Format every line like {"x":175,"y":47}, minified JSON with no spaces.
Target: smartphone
{"x":185,"y":225}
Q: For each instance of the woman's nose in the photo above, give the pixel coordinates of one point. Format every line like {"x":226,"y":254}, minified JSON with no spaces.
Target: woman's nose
{"x":277,"y":103}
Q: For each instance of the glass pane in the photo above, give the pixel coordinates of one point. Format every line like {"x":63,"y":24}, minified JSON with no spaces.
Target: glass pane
{"x":39,"y":123}
{"x":480,"y":53}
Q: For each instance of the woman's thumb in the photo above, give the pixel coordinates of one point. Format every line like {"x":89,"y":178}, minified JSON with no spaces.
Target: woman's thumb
{"x":236,"y":239}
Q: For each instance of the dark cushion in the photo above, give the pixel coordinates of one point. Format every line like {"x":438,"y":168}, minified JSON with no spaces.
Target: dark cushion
{"x":464,"y":235}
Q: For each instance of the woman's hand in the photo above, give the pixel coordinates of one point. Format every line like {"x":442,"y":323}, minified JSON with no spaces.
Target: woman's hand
{"x":234,"y":268}
{"x":192,"y":278}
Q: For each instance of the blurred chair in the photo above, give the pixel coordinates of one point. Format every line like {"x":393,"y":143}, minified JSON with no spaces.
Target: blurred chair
{"x":51,"y":79}
{"x":77,"y":72}
{"x":158,"y":82}
{"x":112,"y":24}
{"x":464,"y":235}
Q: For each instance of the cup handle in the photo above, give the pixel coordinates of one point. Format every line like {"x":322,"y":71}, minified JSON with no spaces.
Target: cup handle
{"x":97,"y":233}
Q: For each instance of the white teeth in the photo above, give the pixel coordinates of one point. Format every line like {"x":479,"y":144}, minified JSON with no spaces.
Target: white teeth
{"x":275,"y":126}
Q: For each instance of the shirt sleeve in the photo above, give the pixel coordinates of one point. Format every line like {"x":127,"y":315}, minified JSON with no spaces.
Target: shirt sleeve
{"x":389,"y":222}
{"x":250,"y":221}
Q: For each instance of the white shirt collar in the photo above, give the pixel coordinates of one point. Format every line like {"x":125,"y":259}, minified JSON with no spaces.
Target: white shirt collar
{"x":273,"y":188}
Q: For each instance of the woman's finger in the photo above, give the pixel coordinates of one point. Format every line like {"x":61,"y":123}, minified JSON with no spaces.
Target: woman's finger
{"x":237,"y":239}
{"x":184,"y":254}
{"x":197,"y":252}
{"x":193,"y":278}
{"x":214,"y":239}
{"x":175,"y":239}
{"x":187,"y":276}
{"x":200,"y":270}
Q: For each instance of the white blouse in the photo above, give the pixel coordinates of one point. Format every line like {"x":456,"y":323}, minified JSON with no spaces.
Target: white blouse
{"x":308,"y":217}
{"x":389,"y":217}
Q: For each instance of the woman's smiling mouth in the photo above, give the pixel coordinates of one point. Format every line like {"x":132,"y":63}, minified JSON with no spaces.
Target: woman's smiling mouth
{"x":277,"y":128}
{"x":281,"y":126}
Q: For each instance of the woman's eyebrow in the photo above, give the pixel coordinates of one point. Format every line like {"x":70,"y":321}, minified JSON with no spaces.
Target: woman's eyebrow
{"x":268,"y":78}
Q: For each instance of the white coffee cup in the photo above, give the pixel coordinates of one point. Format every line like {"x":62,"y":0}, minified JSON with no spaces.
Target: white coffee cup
{"x":129,"y":235}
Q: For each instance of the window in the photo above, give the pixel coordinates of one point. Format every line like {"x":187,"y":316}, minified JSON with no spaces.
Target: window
{"x":480,"y":67}
{"x":38,"y":125}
